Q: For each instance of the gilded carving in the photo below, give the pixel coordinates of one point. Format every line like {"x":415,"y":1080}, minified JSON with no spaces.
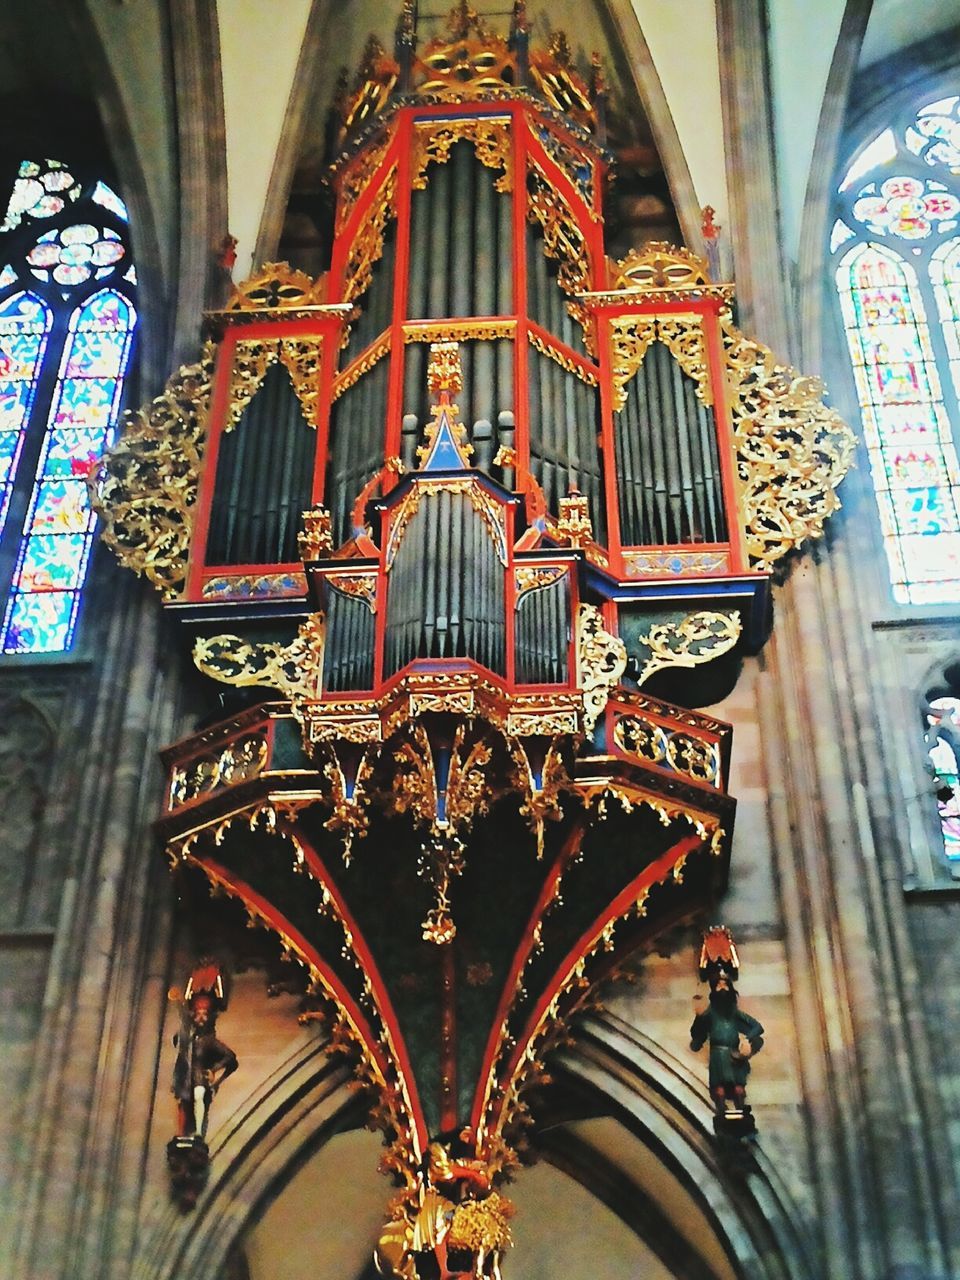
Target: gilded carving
{"x":367,"y":248}
{"x":683,"y":337}
{"x":356,"y":178}
{"x":363,"y":364}
{"x":237,"y":762}
{"x":651,"y":742}
{"x":358,"y":586}
{"x":254,"y":586}
{"x":602,"y":660}
{"x":457,"y":331}
{"x":562,"y":238}
{"x":573,"y":524}
{"x":294,"y":669}
{"x":315,"y":540}
{"x":697,"y":638}
{"x":675,"y":564}
{"x":535,"y":577}
{"x":792,"y":451}
{"x":433,"y":140}
{"x":659,"y":265}
{"x":254,"y":356}
{"x":145,"y":487}
{"x":562,"y":359}
{"x":277,"y":285}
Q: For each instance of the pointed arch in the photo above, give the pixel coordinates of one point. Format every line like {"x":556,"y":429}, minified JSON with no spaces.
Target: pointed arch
{"x":55,"y":548}
{"x":913,"y":460}
{"x":945,"y":278}
{"x":25,"y":322}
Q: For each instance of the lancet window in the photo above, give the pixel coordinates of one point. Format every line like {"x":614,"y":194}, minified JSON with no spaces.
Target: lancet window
{"x":67,"y":320}
{"x":895,"y":250}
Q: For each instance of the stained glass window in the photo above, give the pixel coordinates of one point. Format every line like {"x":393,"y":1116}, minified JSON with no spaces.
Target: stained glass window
{"x":943,"y":741}
{"x":67,"y":320}
{"x":895,"y":242}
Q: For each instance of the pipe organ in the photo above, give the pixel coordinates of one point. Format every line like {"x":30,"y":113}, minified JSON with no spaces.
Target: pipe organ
{"x":458,"y":501}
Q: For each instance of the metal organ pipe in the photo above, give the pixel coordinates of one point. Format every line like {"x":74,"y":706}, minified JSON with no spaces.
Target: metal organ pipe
{"x":668,"y":466}
{"x":440,"y":604}
{"x":264,"y":478}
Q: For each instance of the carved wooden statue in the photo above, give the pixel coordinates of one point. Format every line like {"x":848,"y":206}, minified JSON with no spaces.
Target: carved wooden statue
{"x":734,"y":1036}
{"x":203,"y":1063}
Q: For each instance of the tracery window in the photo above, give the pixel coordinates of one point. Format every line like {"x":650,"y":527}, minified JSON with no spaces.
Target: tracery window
{"x":942,"y":715}
{"x":67,"y":320}
{"x":895,"y":246}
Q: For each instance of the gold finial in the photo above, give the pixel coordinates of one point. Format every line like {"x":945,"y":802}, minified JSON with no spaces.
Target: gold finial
{"x":444,"y":371}
{"x":560,"y":48}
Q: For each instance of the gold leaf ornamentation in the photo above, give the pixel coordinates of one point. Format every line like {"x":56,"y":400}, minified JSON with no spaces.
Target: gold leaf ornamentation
{"x":792,"y":451}
{"x":254,"y":356}
{"x":363,"y":364}
{"x":694,"y":757}
{"x":356,"y":178}
{"x":367,"y":248}
{"x":315,"y":540}
{"x":358,"y":586}
{"x":683,"y":337}
{"x":457,"y":331}
{"x":145,"y":487}
{"x":277,"y":285}
{"x":433,"y":140}
{"x":294,"y":669}
{"x":659,"y":265}
{"x":535,"y":577}
{"x":562,"y":238}
{"x":602,"y":660}
{"x":564,"y":361}
{"x":697,"y":638}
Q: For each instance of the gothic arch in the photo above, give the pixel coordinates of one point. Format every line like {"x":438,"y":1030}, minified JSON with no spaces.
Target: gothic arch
{"x":618,"y":1071}
{"x":294,"y":1112}
{"x":622,"y":16}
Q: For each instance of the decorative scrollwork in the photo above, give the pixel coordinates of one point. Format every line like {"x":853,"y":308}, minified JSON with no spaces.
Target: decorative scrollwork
{"x":535,"y":577}
{"x":457,"y":331}
{"x":358,"y":586}
{"x":316,"y":538}
{"x":277,"y":285}
{"x":367,"y":248}
{"x":356,"y":177}
{"x":145,"y":487}
{"x":433,"y":140}
{"x":694,"y":757}
{"x":602,"y":660}
{"x":573,"y":525}
{"x":295,"y":669}
{"x":562,"y":359}
{"x":659,"y":265}
{"x":254,"y":356}
{"x":697,"y":638}
{"x":578,"y":166}
{"x":792,"y":451}
{"x":236,"y":762}
{"x":254,"y":586}
{"x":363,"y":364}
{"x":562,"y":238}
{"x":675,"y":564}
{"x":683,"y":337}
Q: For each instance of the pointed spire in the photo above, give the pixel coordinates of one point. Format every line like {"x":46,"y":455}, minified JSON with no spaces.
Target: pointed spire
{"x":405,"y":44}
{"x":446,"y":447}
{"x":520,"y":40}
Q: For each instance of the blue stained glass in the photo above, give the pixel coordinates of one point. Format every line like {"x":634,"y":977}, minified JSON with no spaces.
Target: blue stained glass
{"x":54,"y":554}
{"x":53,"y":561}
{"x":40,"y":621}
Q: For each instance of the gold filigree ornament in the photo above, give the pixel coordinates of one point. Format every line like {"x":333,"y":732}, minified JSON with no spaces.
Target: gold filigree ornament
{"x":433,"y":140}
{"x":276,"y":285}
{"x":562,"y":238}
{"x":601,"y":659}
{"x":683,"y":337}
{"x":697,"y":638}
{"x":295,"y":669}
{"x":367,"y":248}
{"x":356,"y":178}
{"x":658,"y":265}
{"x":792,"y":450}
{"x":254,"y":356}
{"x":145,"y":488}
